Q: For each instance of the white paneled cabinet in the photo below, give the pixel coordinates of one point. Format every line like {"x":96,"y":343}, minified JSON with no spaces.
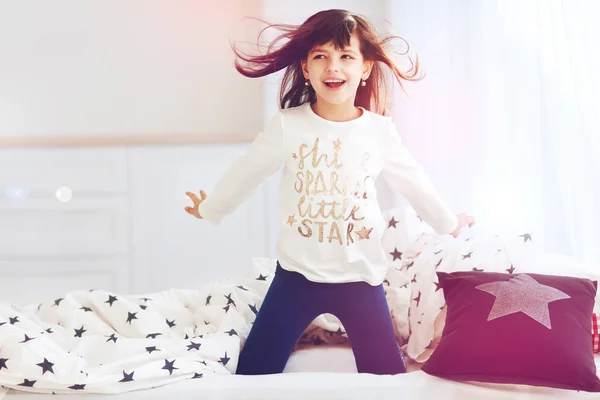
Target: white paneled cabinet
{"x":29,"y":279}
{"x":173,"y":249}
{"x":41,"y":227}
{"x":112,"y":218}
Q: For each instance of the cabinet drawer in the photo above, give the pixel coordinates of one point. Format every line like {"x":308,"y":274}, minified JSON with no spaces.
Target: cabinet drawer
{"x":41,"y":280}
{"x":39,"y":173}
{"x":40,"y":227}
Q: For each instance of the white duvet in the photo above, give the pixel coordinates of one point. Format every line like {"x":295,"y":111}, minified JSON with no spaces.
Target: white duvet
{"x":99,"y":342}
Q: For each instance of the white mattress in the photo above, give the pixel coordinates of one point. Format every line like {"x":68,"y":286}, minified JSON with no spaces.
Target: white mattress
{"x":327,"y":372}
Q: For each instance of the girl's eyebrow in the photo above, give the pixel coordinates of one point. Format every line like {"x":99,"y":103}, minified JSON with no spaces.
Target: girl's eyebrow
{"x":323,"y":50}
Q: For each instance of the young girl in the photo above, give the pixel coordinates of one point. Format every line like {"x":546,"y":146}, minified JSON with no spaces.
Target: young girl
{"x":333,"y":141}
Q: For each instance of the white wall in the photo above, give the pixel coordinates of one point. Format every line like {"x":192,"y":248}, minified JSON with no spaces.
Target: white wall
{"x":112,"y":67}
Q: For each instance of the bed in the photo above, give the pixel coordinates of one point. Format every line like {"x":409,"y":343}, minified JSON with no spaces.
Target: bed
{"x":183,"y":344}
{"x":327,"y":372}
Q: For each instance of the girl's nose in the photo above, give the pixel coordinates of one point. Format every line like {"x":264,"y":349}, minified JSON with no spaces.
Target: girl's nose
{"x":332,"y":66}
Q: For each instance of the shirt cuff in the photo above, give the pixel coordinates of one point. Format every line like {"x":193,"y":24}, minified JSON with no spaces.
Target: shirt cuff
{"x":210,"y":214}
{"x":446,"y":225}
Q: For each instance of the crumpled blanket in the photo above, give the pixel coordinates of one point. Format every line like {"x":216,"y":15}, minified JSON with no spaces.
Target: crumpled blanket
{"x":101,"y":342}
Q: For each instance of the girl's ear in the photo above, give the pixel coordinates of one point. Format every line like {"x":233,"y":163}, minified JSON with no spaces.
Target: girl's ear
{"x":367,"y":67}
{"x":304,"y":68}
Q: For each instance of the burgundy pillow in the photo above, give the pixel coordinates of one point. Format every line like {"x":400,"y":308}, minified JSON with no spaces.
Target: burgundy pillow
{"x":526,"y":329}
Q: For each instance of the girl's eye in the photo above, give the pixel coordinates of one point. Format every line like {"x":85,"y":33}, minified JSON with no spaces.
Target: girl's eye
{"x":320,"y":56}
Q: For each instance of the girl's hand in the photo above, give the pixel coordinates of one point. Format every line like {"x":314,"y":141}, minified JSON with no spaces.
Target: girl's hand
{"x":464,"y":220}
{"x":194,"y":210}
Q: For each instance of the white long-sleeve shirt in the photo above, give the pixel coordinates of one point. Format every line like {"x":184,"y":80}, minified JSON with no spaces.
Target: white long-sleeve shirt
{"x":331,"y":222}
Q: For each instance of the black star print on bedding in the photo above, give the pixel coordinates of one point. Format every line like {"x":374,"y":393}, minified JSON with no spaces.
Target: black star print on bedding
{"x":127,"y":377}
{"x":396,"y":255}
{"x":224,"y":360}
{"x":27,"y":339}
{"x":46,"y":366}
{"x":193,"y":346}
{"x":112,"y":337}
{"x":526,"y":237}
{"x":79,"y":332}
{"x":253,"y":308}
{"x":131,"y":316}
{"x":229,"y":301}
{"x":169,"y":366}
{"x":418,"y":299}
{"x":111,"y":300}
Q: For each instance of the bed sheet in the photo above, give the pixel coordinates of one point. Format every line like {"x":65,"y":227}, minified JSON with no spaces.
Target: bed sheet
{"x":327,"y":372}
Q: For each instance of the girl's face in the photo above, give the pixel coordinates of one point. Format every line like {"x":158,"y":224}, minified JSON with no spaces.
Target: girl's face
{"x":335,"y":74}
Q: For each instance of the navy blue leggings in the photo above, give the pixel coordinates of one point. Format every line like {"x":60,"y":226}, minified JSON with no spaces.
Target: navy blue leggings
{"x":293,"y":302}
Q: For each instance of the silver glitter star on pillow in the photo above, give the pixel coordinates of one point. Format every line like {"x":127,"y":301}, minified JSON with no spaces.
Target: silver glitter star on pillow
{"x":522,"y":294}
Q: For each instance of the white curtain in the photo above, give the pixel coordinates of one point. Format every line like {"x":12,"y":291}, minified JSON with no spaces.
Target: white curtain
{"x":507,"y":118}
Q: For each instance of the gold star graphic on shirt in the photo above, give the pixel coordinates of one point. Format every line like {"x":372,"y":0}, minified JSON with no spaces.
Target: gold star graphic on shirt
{"x":337,"y":143}
{"x":294,"y":156}
{"x":364,"y":233}
{"x":291,"y":220}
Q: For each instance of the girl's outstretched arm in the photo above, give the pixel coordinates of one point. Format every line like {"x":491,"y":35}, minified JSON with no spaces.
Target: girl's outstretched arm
{"x":263,"y":159}
{"x":406,"y":176}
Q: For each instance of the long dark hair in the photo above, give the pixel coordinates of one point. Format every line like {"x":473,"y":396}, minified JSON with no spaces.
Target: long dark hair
{"x":323,"y":27}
